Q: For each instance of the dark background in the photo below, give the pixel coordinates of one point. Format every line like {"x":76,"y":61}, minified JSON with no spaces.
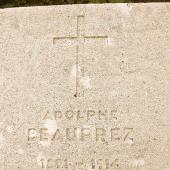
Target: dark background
{"x":18,"y":3}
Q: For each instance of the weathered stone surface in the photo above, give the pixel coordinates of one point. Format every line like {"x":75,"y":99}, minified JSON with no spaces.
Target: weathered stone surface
{"x":85,"y":87}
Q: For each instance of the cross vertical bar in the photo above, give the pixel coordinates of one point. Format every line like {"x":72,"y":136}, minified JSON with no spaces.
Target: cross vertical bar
{"x":79,"y":52}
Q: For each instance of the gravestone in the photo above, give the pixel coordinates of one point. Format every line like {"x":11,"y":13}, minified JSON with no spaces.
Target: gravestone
{"x":85,"y":87}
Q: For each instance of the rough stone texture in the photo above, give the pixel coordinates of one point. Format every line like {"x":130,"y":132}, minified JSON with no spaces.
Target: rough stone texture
{"x":85,"y":87}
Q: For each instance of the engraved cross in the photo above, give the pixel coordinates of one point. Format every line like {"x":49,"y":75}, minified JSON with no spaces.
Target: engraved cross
{"x":80,"y":38}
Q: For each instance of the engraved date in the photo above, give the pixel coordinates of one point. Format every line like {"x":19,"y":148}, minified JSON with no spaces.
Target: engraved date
{"x":93,"y":164}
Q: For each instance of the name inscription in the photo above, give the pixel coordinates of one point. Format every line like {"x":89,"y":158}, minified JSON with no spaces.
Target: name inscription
{"x":82,"y":134}
{"x":78,"y":126}
{"x":78,"y":115}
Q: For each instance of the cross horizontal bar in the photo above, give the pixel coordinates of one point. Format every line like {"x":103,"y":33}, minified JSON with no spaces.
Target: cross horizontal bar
{"x":96,"y":36}
{"x":65,"y":38}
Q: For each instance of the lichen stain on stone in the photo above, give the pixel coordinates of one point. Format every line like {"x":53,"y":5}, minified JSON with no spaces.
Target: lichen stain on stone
{"x":2,"y":140}
{"x":125,"y":9}
{"x":51,"y":125}
{"x":83,"y":80}
{"x":137,"y":162}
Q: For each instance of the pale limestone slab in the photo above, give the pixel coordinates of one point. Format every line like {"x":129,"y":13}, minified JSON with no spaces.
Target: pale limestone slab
{"x":85,"y":87}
